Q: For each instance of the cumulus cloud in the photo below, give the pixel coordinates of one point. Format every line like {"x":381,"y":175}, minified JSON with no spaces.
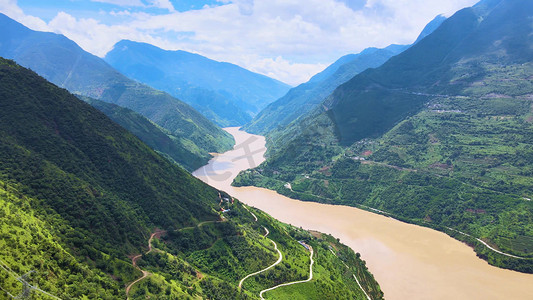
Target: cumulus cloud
{"x":165,"y":4}
{"x":121,"y":2}
{"x":289,"y":40}
{"x":246,"y":7}
{"x":284,"y":70}
{"x":11,"y":9}
{"x":121,"y":13}
{"x":95,"y":37}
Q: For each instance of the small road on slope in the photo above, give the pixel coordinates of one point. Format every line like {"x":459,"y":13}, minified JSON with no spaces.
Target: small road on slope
{"x":267,"y":268}
{"x":134,"y":262}
{"x":253,"y":215}
{"x":295,"y":282}
{"x":201,"y":224}
{"x":497,"y":251}
{"x":275,"y":247}
{"x":486,"y":245}
{"x":277,"y":262}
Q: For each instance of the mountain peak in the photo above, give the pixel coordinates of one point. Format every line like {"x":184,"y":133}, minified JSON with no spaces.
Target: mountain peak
{"x":225,"y":93}
{"x":146,"y":48}
{"x":430,"y":27}
{"x":67,"y":65}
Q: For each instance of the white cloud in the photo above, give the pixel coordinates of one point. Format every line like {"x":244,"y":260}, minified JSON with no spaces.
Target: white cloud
{"x":95,"y":37}
{"x":165,"y":4}
{"x":121,"y":13}
{"x":128,"y":3}
{"x":284,"y":70}
{"x":246,"y":7}
{"x":285,"y":39}
{"x":11,"y":9}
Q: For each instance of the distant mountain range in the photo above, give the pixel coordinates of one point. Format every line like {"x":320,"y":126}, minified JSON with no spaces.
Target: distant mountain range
{"x":304,"y":98}
{"x":64,"y":63}
{"x":225,"y":93}
{"x":440,"y":135}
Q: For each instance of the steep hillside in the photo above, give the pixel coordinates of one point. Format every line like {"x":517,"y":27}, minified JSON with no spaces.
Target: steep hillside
{"x":440,"y":135}
{"x":186,"y":155}
{"x":81,"y":199}
{"x":64,"y":63}
{"x":225,"y":93}
{"x":305,"y":97}
{"x":474,"y":45}
{"x":87,"y":178}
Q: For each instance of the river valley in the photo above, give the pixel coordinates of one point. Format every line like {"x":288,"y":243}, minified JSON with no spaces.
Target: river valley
{"x":408,"y":261}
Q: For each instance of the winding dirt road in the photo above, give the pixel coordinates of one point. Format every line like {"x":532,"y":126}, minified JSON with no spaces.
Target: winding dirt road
{"x":267,"y":268}
{"x":201,"y":224}
{"x":276,"y":263}
{"x":294,"y":282}
{"x":134,"y":262}
{"x":253,"y":215}
{"x":275,"y":247}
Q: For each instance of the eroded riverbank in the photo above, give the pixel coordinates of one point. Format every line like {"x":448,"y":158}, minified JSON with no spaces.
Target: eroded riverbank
{"x":409,"y":262}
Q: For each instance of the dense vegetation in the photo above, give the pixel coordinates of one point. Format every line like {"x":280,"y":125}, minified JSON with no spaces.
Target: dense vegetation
{"x":440,"y":136}
{"x":79,"y":197}
{"x":64,"y":63}
{"x":30,"y":246}
{"x":213,"y":256}
{"x":186,"y":155}
{"x":225,"y":93}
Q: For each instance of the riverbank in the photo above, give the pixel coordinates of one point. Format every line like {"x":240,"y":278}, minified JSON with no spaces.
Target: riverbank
{"x":408,"y":261}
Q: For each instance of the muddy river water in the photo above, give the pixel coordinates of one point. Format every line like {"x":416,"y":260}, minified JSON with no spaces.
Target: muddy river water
{"x":408,"y":261}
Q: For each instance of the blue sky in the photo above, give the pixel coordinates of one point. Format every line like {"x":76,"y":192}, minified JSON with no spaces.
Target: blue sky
{"x":48,"y":9}
{"x":289,"y":40}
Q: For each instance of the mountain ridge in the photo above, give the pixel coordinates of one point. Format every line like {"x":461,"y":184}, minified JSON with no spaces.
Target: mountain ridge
{"x":304,"y":98}
{"x":64,"y":63}
{"x":228,"y":94}
{"x":151,"y":134}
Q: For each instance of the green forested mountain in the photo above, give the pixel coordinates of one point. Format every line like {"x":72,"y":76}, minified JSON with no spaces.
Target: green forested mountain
{"x":64,"y":63}
{"x":439,"y":135}
{"x":82,"y":200}
{"x":225,"y":93}
{"x":476,"y":44}
{"x":304,"y":98}
{"x":158,"y":138}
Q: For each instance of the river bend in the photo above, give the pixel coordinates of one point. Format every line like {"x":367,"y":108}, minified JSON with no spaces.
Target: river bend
{"x":408,"y":261}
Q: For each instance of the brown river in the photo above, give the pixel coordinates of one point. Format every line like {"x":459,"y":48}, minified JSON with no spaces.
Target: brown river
{"x":408,"y":261}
